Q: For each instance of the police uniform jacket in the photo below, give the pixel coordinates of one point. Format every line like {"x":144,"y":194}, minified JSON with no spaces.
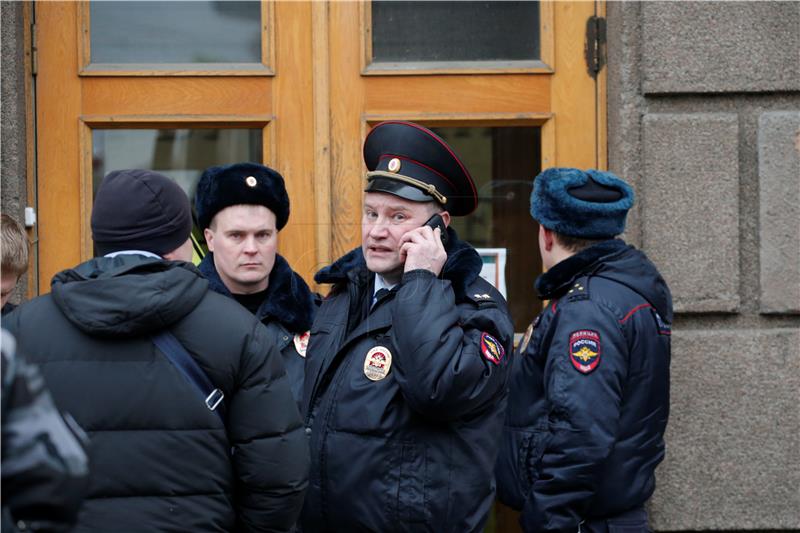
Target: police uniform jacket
{"x":160,"y":459}
{"x":287,"y":310}
{"x":413,"y":448}
{"x":589,"y":392}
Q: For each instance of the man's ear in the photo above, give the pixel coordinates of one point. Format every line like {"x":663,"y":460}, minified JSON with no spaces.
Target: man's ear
{"x":445,"y":218}
{"x":209,"y":236}
{"x":548,"y":238}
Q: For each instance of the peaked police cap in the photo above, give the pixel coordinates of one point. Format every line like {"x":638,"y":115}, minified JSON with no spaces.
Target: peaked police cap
{"x":412,"y":162}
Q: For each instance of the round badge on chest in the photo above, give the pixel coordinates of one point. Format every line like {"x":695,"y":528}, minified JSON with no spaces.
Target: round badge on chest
{"x":526,"y":339}
{"x":377,"y":363}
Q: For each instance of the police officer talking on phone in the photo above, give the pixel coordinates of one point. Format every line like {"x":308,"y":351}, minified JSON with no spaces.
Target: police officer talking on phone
{"x":407,"y":366}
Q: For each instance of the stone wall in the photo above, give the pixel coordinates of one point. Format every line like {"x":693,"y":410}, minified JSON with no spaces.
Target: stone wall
{"x":13,"y":126}
{"x":704,"y":120}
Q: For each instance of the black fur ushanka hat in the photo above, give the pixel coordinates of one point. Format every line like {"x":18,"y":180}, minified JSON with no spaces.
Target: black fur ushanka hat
{"x":241,"y":184}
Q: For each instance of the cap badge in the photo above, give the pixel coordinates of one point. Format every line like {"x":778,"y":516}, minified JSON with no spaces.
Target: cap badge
{"x":584,"y":350}
{"x":251,"y":181}
{"x":394,"y":165}
{"x":377,"y":363}
{"x":301,"y":342}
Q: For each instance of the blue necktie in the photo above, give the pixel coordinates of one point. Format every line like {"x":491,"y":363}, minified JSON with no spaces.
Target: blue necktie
{"x":379,"y":296}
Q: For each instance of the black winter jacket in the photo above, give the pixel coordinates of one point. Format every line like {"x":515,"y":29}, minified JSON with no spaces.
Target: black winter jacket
{"x":45,"y":471}
{"x":287,"y":311}
{"x":412,"y":447}
{"x":160,"y":460}
{"x":589,"y":393}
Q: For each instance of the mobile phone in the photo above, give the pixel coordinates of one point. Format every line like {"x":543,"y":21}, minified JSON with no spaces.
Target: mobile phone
{"x":436,"y":222}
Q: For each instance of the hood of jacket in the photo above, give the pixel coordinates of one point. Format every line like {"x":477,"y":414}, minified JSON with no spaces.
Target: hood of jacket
{"x":127,"y":295}
{"x":463,"y":266}
{"x":615,"y":260}
{"x":288,"y":301}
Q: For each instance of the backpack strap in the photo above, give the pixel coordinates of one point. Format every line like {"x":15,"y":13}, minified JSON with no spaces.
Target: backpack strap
{"x":185,"y":363}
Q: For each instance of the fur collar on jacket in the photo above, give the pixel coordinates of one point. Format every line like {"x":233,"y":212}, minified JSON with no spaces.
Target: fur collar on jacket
{"x":555,"y":281}
{"x":289,"y":301}
{"x":462,"y":268}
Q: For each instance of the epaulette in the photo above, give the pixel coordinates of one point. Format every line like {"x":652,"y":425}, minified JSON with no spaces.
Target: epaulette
{"x":578,"y":291}
{"x":481,"y":298}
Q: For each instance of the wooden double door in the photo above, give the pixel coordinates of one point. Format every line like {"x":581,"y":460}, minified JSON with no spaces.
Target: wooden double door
{"x":179,"y":86}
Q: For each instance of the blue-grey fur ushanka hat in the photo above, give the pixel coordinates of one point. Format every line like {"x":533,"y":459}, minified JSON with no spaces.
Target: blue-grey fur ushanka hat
{"x":589,"y":204}
{"x":240,"y":184}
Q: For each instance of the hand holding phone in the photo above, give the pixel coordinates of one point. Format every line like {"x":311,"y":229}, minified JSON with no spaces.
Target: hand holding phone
{"x":419,"y":251}
{"x":436,"y":221}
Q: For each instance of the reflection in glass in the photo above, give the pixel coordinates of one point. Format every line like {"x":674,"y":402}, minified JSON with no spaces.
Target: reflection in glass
{"x":503,"y":162}
{"x":175,"y":32}
{"x":181,"y":154}
{"x":455,"y":31}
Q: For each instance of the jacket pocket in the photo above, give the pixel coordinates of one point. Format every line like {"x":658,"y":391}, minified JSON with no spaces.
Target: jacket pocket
{"x":411,"y":498}
{"x":530,"y":458}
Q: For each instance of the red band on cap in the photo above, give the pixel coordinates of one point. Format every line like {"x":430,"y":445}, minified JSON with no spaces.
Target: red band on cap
{"x":446,"y":147}
{"x":384,"y":156}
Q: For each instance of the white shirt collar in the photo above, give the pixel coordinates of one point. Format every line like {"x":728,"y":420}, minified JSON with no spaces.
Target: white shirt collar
{"x":381,"y":283}
{"x":133,"y":252}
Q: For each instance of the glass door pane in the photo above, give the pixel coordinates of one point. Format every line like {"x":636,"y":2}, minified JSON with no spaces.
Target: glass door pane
{"x":181,"y":154}
{"x":455,"y":31}
{"x":168,"y":32}
{"x":503,"y":162}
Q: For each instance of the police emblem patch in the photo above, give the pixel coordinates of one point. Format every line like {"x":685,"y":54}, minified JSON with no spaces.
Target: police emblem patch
{"x":301,"y":342}
{"x":584,"y":350}
{"x":377,"y":363}
{"x":491,"y":348}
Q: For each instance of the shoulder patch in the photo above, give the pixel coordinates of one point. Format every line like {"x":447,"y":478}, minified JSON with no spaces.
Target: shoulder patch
{"x":584,"y":350}
{"x":491,"y":349}
{"x":663,"y":327}
{"x":527,"y":338}
{"x":529,"y":332}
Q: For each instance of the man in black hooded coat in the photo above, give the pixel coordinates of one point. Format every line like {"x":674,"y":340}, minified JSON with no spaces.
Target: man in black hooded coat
{"x":161,"y":458}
